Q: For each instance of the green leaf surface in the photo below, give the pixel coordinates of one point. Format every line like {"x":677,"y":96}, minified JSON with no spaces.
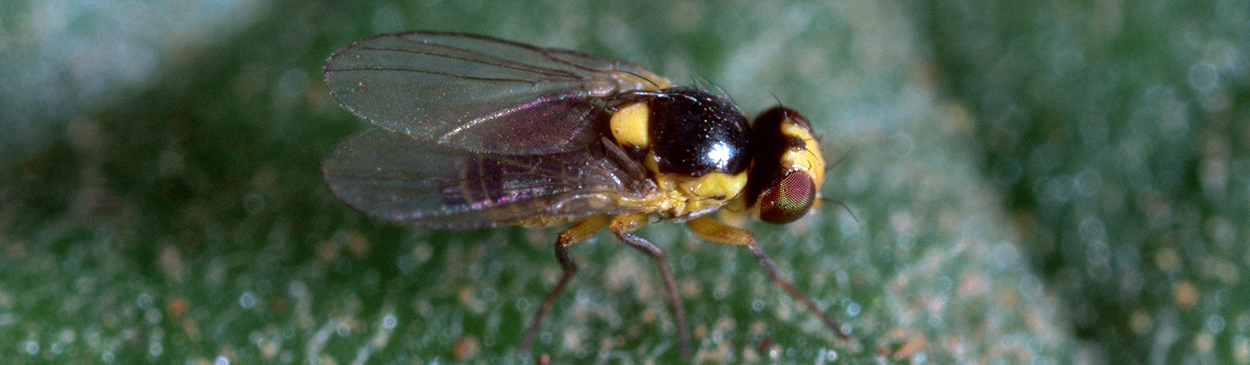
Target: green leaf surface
{"x":1117,"y":133}
{"x":162,"y":200}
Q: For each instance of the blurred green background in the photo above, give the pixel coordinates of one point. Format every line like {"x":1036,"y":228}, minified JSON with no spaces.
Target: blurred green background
{"x":1016,"y":182}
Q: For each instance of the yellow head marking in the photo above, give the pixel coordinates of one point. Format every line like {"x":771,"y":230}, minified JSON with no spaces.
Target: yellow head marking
{"x":808,"y":158}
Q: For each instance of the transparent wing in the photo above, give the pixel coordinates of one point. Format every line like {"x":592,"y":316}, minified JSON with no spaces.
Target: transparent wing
{"x":480,"y":94}
{"x":392,"y":177}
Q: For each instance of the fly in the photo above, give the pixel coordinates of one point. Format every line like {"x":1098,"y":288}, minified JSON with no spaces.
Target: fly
{"x":473,"y":131}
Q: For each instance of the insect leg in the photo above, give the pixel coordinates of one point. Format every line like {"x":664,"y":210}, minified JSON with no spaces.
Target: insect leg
{"x":621,"y":225}
{"x":579,"y":232}
{"x":712,"y":230}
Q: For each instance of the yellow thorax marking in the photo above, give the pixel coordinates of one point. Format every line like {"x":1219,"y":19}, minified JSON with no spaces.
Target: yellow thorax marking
{"x":679,"y":196}
{"x":629,"y":125}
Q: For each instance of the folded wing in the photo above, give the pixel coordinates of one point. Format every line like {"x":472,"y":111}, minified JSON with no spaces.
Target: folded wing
{"x":481,"y":94}
{"x":392,"y":177}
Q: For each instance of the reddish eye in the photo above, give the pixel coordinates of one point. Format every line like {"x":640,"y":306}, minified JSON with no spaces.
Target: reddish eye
{"x":788,"y":199}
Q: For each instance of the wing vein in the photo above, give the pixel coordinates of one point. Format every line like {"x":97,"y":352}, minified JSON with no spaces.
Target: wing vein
{"x":545,"y":52}
{"x":404,"y":69}
{"x":483,"y":58}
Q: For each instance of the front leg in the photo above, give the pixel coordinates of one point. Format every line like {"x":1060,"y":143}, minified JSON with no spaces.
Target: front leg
{"x":712,"y":230}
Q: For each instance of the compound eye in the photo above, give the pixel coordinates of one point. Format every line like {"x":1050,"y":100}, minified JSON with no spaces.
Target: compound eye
{"x":787,"y":200}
